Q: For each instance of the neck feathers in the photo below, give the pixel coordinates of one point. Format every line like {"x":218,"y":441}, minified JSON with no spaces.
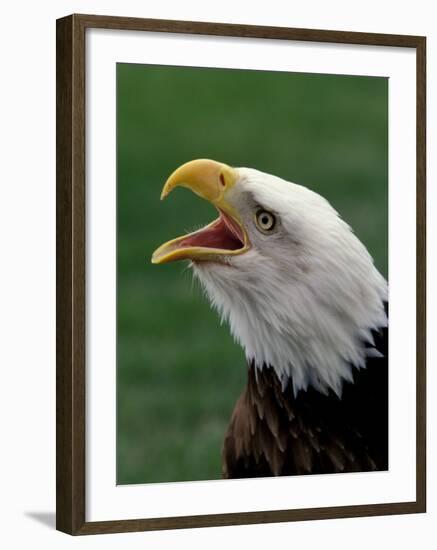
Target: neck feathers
{"x":313,"y":333}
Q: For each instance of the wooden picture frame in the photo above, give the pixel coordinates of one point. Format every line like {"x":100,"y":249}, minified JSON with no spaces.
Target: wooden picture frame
{"x":71,"y":283}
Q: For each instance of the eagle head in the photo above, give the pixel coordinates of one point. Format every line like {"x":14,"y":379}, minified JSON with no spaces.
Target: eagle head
{"x":299,"y":290}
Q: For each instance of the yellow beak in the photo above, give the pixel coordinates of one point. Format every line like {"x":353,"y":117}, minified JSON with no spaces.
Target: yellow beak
{"x":211,"y":181}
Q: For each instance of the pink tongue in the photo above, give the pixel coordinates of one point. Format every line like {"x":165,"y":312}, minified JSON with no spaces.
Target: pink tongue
{"x":216,"y":236}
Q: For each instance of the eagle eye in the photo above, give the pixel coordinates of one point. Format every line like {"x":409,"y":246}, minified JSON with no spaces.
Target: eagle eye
{"x":265,"y":221}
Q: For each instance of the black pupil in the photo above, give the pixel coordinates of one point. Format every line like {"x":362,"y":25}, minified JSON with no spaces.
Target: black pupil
{"x":265,"y":220}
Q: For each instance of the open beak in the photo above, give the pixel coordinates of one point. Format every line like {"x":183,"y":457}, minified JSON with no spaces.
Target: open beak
{"x":226,"y":235}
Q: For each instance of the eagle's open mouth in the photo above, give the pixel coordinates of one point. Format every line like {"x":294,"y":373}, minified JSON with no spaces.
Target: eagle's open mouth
{"x":222,"y":233}
{"x":225,"y":236}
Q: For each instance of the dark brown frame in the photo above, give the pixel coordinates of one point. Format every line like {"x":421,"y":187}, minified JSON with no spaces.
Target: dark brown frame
{"x":71,"y":283}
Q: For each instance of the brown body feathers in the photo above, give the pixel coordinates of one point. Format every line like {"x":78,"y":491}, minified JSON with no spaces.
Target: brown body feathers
{"x":273,"y":432}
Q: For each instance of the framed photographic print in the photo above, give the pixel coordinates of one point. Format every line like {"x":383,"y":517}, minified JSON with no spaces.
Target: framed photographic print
{"x":223,"y":357}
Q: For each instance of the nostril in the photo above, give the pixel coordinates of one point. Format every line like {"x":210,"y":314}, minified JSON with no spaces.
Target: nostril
{"x":222,"y":180}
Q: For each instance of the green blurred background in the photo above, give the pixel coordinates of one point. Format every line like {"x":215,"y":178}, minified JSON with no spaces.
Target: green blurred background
{"x":178,"y":371}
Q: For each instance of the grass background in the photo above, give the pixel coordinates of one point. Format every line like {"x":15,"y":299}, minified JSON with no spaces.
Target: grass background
{"x":178,"y":371}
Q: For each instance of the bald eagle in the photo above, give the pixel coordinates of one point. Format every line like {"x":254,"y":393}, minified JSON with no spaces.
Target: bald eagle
{"x":302,"y":296}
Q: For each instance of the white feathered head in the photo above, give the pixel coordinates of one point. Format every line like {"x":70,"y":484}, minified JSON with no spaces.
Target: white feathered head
{"x":299,"y":290}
